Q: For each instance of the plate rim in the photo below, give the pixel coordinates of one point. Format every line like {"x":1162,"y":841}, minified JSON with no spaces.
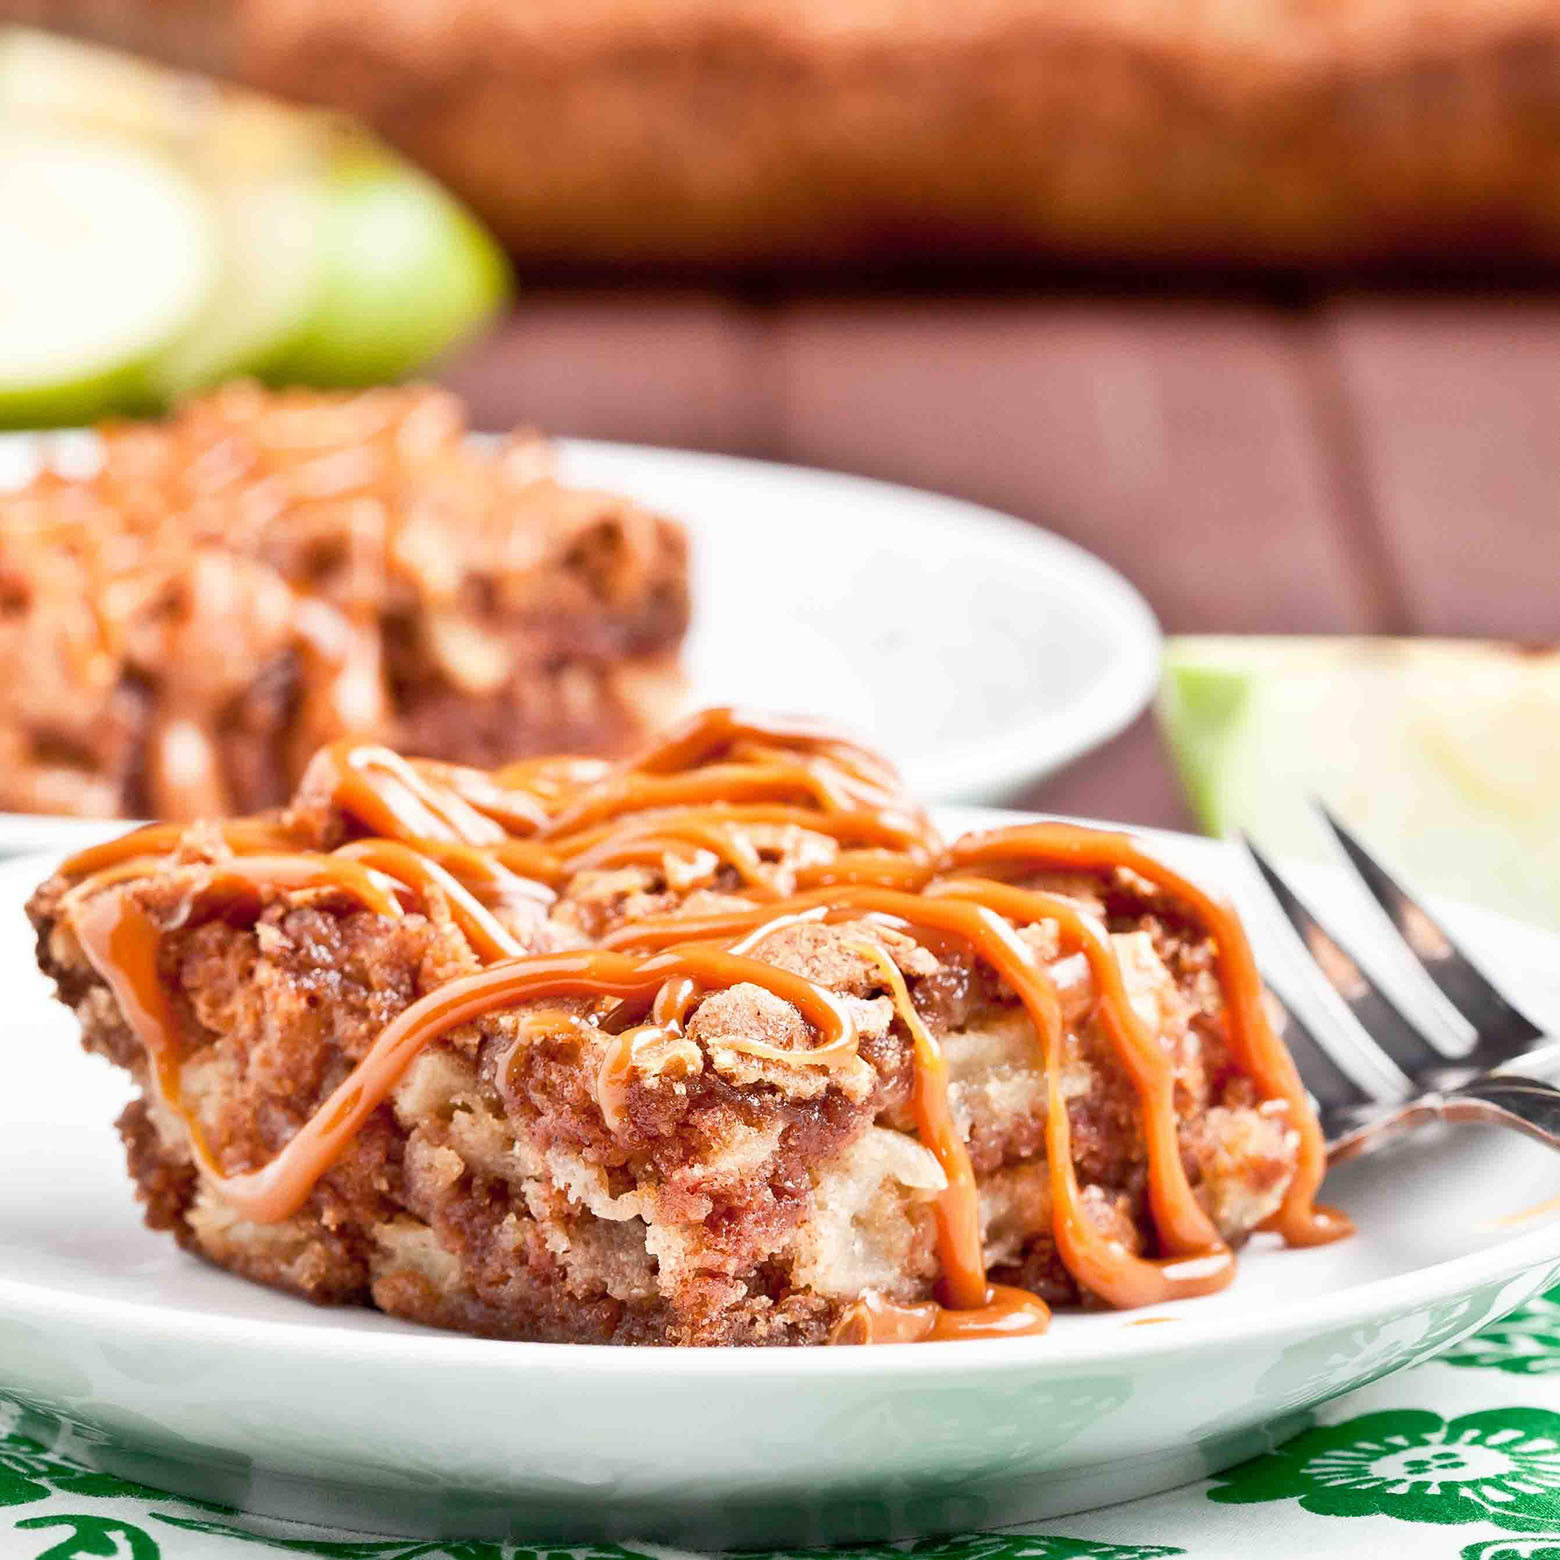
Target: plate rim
{"x":416,"y":1349}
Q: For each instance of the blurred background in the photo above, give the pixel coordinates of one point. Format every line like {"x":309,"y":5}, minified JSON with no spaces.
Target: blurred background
{"x":1256,"y":303}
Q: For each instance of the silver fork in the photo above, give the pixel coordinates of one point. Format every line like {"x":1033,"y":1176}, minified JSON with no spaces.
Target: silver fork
{"x":1418,"y":1082}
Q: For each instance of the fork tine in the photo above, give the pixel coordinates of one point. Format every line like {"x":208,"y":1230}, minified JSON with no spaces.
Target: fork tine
{"x":1374,"y":1020}
{"x":1498,"y":1024}
{"x":1331,"y":1087}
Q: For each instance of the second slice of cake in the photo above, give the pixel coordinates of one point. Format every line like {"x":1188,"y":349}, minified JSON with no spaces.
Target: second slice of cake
{"x":267,"y":572}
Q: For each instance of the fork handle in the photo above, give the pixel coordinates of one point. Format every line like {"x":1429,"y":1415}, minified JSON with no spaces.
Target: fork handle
{"x":1512,"y":1100}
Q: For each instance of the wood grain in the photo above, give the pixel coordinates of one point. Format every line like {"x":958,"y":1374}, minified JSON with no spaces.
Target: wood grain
{"x":1455,"y":412}
{"x":1178,"y":443}
{"x":676,"y":369}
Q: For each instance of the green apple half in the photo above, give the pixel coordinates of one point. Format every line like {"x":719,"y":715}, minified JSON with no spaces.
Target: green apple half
{"x":49,"y":82}
{"x":110,"y":251}
{"x":342,"y":265}
{"x":325,"y":259}
{"x":1445,"y":754}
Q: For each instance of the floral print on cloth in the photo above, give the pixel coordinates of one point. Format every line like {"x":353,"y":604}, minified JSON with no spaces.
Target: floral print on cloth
{"x":1502,"y":1465}
{"x":1526,"y":1343}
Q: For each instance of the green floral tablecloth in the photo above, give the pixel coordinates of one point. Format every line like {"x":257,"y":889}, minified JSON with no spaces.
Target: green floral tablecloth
{"x":1458,"y":1458}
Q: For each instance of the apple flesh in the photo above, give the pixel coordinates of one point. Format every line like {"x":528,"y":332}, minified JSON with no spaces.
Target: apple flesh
{"x":1444,"y":754}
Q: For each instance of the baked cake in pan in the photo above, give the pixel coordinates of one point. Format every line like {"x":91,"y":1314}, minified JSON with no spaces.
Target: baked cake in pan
{"x":265,"y":573}
{"x":791,"y":133}
{"x":718,"y":1045}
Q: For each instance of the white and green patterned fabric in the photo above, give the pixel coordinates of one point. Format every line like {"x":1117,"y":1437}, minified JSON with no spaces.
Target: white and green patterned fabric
{"x":1459,"y":1458}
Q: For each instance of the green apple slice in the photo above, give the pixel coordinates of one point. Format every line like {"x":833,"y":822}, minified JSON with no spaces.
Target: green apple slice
{"x":57,"y":83}
{"x":337,"y":262}
{"x":260,"y":166}
{"x":1444,"y":754}
{"x":109,"y":253}
{"x":408,"y":273}
{"x":271,"y":275}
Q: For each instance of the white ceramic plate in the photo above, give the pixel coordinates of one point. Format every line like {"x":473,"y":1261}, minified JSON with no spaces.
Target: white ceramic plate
{"x":259,"y":1400}
{"x":979,"y":652}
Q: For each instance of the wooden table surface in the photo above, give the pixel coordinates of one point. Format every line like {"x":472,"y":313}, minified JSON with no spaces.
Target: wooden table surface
{"x":1371,"y":464}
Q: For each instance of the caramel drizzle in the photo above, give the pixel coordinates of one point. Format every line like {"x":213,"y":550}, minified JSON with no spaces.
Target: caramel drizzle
{"x":958,"y":1205}
{"x":127,"y":943}
{"x":394,"y":798}
{"x":121,"y":941}
{"x":154,"y":841}
{"x":1262,"y":1055}
{"x":974,"y":912}
{"x":447,"y":835}
{"x":490,"y":940}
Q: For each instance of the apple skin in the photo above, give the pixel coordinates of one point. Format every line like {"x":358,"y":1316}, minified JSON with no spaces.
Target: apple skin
{"x":124,"y":390}
{"x":408,"y":273}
